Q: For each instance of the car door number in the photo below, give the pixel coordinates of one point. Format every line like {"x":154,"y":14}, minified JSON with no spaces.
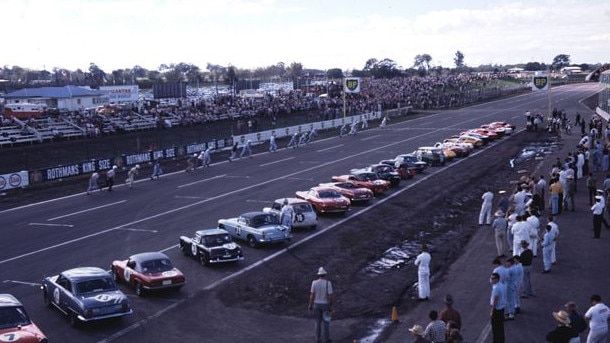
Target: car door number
{"x":193,"y":248}
{"x":238,"y":230}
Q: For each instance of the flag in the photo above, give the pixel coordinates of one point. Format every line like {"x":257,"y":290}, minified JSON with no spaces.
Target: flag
{"x":540,"y":82}
{"x":351,"y":85}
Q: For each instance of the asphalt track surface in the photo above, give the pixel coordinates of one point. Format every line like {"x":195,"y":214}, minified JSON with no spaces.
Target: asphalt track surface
{"x":46,"y":238}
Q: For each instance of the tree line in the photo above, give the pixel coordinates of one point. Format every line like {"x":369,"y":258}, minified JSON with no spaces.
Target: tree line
{"x":16,"y":77}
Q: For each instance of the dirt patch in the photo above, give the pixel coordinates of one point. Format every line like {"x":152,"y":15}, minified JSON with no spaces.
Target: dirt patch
{"x":442,"y":212}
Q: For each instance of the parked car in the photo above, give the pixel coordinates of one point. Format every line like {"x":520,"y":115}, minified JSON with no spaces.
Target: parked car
{"x":476,"y":142}
{"x":325,"y":199}
{"x":85,"y":294}
{"x":211,"y":246}
{"x":459,"y":149}
{"x":497,"y":125}
{"x":365,"y":179}
{"x":351,"y":191}
{"x":15,"y":324}
{"x":304,"y":214}
{"x":256,"y":228}
{"x":408,"y":161}
{"x":149,"y":271}
{"x":431,"y":155}
{"x":385,"y":172}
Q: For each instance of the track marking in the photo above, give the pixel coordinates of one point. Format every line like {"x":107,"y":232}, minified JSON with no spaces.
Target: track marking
{"x":137,"y":230}
{"x":331,"y":148}
{"x":188,"y":197}
{"x":49,"y":224}
{"x":277,"y":161}
{"x":87,"y":210}
{"x":370,"y":137}
{"x":22,"y":283}
{"x":204,"y":180}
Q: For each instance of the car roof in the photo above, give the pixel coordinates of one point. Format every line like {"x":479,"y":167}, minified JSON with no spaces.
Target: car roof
{"x":211,"y":232}
{"x":253,"y":214}
{"x":148,"y":256}
{"x":291,"y":201}
{"x":84,"y":273}
{"x":8,"y":300}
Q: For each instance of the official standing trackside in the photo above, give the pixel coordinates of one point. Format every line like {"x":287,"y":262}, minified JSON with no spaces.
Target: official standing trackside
{"x":497,"y":303}
{"x":321,"y":303}
{"x":526,"y":258}
{"x":555,"y":232}
{"x":485,"y":214}
{"x":597,"y":316}
{"x":598,"y":213}
{"x":246,"y":150}
{"x":499,"y":226}
{"x":547,"y":242}
{"x":423,"y":272}
{"x":272,"y":144}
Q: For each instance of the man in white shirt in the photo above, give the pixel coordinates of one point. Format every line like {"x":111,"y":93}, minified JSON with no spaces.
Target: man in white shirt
{"x":521,"y":232}
{"x":423,"y":272}
{"x":485,"y":214}
{"x":597,"y":316}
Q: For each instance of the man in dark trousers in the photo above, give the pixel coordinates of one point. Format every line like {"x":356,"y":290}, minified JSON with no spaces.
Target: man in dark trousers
{"x":497,"y":303}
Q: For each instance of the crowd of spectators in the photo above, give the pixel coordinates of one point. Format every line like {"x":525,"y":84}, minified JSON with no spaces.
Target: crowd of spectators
{"x":419,"y":92}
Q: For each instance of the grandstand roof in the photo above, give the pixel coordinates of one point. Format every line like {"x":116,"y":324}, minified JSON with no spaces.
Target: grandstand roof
{"x":54,"y":92}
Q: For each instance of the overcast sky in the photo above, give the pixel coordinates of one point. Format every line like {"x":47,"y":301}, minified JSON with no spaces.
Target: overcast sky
{"x":320,"y":34}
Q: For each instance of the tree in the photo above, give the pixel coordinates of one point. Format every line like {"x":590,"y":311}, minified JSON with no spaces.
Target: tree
{"x":294,"y":70}
{"x":370,"y":64}
{"x":532,"y":66}
{"x":334,"y":73}
{"x":560,"y":61}
{"x":422,"y":62}
{"x":96,"y":75}
{"x":459,"y":59}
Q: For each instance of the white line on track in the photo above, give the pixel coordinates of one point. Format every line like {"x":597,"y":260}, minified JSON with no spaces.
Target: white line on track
{"x":50,"y":224}
{"x":137,"y":230}
{"x":188,"y":197}
{"x":277,"y":161}
{"x":87,"y":210}
{"x":259,"y":201}
{"x":370,"y":137}
{"x":204,"y":180}
{"x":331,"y":148}
{"x":22,"y":282}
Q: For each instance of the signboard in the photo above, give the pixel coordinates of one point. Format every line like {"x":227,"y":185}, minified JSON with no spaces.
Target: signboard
{"x":540,"y":82}
{"x":118,"y":94}
{"x":351,"y":85}
{"x":169,"y":90}
{"x":14,"y":180}
{"x":69,"y":170}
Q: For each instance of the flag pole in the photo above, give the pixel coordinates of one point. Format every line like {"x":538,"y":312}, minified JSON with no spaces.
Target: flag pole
{"x":344,"y":108}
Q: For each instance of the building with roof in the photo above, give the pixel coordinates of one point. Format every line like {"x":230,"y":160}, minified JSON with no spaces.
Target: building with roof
{"x":68,"y":98}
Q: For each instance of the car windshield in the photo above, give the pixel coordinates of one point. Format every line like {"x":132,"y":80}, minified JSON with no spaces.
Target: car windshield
{"x":94,"y":285}
{"x":302,"y":208}
{"x":328,"y":194}
{"x":368,"y":177}
{"x":217,"y":240}
{"x":11,"y":317}
{"x":266,"y":219}
{"x":157,"y":266}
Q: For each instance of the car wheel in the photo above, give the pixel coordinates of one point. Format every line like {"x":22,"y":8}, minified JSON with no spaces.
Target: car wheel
{"x":45,"y":298}
{"x":204,"y":260}
{"x":252,"y":242}
{"x":313,"y":227}
{"x":183,"y":249}
{"x":138,"y":288}
{"x":73,"y":319}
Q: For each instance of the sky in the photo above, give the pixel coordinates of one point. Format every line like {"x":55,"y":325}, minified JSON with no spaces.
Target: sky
{"x":319,"y":34}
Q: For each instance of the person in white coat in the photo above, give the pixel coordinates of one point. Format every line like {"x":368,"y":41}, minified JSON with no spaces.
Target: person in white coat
{"x":534,"y":230}
{"x":485,"y":214}
{"x":580,"y":162}
{"x":423,"y":273}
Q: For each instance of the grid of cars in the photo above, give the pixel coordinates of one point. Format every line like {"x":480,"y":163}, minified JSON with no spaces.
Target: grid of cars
{"x":87,"y":294}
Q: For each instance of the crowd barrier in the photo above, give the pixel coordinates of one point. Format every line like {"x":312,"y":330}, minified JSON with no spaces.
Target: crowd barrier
{"x":102,"y":163}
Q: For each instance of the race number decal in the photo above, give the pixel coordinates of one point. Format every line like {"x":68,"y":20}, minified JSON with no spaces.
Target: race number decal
{"x":299,"y":217}
{"x":56,"y":295}
{"x":126,"y":274}
{"x":10,"y":337}
{"x":194,"y":249}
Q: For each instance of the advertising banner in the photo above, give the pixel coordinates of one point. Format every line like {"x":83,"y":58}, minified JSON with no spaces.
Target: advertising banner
{"x":14,"y":180}
{"x":118,"y":94}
